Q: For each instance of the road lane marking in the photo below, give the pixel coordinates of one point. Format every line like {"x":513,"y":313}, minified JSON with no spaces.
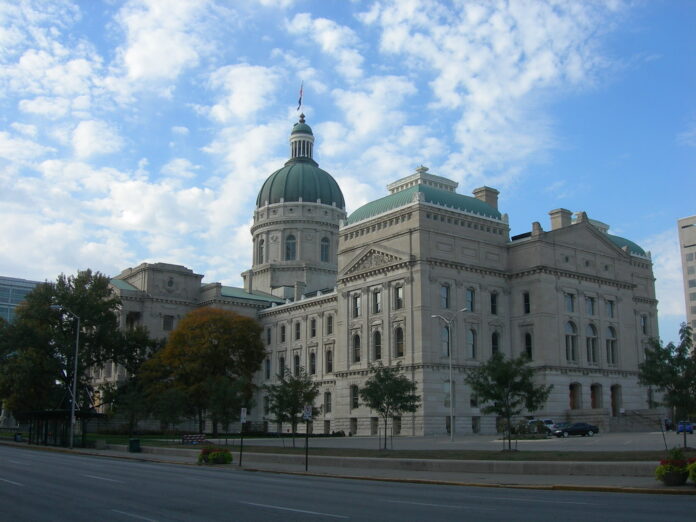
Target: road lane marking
{"x":133,"y":515}
{"x":103,"y":478}
{"x":293,"y":510}
{"x":11,"y":482}
{"x":17,"y":462}
{"x":543,"y":501}
{"x":423,"y":504}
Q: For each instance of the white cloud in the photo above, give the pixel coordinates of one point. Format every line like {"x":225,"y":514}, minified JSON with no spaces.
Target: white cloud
{"x":180,"y":168}
{"x":669,"y":284}
{"x":335,"y":40}
{"x":92,"y":137}
{"x":247,"y":89}
{"x":25,"y":128}
{"x":50,"y":107}
{"x":180,"y":130}
{"x":20,"y":149}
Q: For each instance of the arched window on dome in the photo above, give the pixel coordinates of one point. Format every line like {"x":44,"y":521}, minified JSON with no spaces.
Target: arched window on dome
{"x":290,"y":248}
{"x":260,"y":251}
{"x":325,"y":250}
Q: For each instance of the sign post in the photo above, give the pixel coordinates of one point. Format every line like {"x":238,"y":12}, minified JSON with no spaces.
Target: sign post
{"x":307,"y":416}
{"x":242,"y":420}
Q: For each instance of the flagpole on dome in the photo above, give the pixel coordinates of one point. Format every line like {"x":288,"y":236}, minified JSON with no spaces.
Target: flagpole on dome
{"x":299,"y":102}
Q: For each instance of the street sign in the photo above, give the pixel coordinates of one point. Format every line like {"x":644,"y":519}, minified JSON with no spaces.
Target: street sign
{"x":307,"y":412}
{"x":242,"y":415}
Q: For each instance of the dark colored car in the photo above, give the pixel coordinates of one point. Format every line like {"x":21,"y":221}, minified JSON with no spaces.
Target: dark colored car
{"x":578,"y":428}
{"x":685,"y":426}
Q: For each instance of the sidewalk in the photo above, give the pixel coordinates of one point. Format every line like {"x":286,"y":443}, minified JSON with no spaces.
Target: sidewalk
{"x":370,"y":469}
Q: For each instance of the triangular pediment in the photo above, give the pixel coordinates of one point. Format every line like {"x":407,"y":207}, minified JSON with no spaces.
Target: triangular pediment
{"x":373,"y":257}
{"x":584,"y":235}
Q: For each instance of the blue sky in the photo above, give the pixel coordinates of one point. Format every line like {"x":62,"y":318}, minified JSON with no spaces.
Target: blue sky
{"x":141,"y":130}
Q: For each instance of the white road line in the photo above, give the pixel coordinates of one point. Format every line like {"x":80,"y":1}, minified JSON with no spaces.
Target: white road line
{"x":16,"y":462}
{"x":519,"y":499}
{"x":423,"y":504}
{"x":104,"y":478}
{"x":133,"y":516}
{"x":293,"y":510}
{"x":11,"y":482}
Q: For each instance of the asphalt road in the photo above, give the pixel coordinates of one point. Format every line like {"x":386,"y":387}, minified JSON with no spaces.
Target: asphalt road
{"x":38,"y":485}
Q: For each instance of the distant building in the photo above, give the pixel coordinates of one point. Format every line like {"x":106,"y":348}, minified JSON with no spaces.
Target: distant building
{"x":687,"y":246}
{"x":12,"y":293}
{"x":337,"y":293}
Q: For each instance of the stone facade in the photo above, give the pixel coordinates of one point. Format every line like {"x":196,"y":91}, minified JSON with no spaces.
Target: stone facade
{"x":406,"y":278}
{"x":687,"y":246}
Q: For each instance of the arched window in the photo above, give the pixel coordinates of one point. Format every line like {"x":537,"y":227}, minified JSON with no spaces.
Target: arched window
{"x":399,"y":342}
{"x":260,"y":252}
{"x":616,"y":400}
{"x":445,"y":341}
{"x":575,"y":396}
{"x":444,"y":296}
{"x":571,"y":342}
{"x":377,"y":345}
{"x":528,"y":345}
{"x":591,"y":344}
{"x":325,"y":250}
{"x":356,"y":348}
{"x":596,"y":396}
{"x":495,"y":342}
{"x":296,"y":365}
{"x":470,"y":300}
{"x":611,"y":346}
{"x":471,"y":343}
{"x":312,"y":363}
{"x":290,"y":248}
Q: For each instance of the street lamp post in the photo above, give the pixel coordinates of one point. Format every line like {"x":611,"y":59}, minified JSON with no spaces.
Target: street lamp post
{"x":448,"y":322}
{"x":74,"y":377}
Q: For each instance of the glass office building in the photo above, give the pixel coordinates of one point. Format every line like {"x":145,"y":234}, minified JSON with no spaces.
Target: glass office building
{"x":12,"y":292}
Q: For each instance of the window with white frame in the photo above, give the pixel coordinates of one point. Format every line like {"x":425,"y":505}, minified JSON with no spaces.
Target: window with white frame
{"x":471,"y":343}
{"x":399,"y":342}
{"x":444,"y":296}
{"x":591,"y":344}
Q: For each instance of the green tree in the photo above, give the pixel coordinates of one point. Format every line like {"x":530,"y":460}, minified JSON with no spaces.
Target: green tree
{"x":506,"y":387}
{"x":288,"y":398}
{"x":38,"y":371}
{"x":672,"y":370}
{"x":128,"y":397}
{"x":226,"y":401}
{"x":208,"y":343}
{"x":389,"y":393}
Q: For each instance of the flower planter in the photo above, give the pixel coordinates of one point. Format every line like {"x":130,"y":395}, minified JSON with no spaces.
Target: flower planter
{"x":675,"y":478}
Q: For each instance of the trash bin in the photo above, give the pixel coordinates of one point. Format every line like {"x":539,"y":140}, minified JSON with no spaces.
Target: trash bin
{"x":18,"y":437}
{"x":134,"y":445}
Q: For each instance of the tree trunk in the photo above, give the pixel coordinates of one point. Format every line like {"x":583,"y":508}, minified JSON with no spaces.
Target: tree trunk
{"x":201,"y":422}
{"x":294,"y":429}
{"x":385,"y":432}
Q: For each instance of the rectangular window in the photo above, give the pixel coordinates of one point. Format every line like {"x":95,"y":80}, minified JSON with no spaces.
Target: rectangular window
{"x":444,"y":296}
{"x":267,"y":368}
{"x":398,"y":297}
{"x":644,"y":324}
{"x":470,"y":300}
{"x":282,"y":333}
{"x":354,"y":396}
{"x":355,"y":298}
{"x":376,"y":301}
{"x":570,"y":303}
{"x":689,"y":257}
{"x":168,"y":323}
{"x":329,"y":325}
{"x":494,"y":304}
{"x":526,"y":303}
{"x":327,"y":402}
{"x":692,"y":283}
{"x":590,"y":305}
{"x":611,"y":308}
{"x":329,"y":361}
{"x":313,"y":328}
{"x":297,"y":331}
{"x":268,"y":336}
{"x":691,"y":269}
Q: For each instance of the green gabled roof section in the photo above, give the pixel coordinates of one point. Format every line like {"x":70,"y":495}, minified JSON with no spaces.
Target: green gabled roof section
{"x":301,"y":178}
{"x":623,"y":242}
{"x":432,"y":195}
{"x":240,"y":293}
{"x":123,"y":285}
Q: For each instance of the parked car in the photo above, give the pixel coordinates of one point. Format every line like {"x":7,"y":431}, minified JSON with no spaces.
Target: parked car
{"x":559,"y":426}
{"x":539,"y":425}
{"x":578,"y":428}
{"x":685,"y":426}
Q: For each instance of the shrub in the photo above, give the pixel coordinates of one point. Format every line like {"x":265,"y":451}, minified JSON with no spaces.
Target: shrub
{"x":215,"y":456}
{"x":691,"y":468}
{"x":676,"y":463}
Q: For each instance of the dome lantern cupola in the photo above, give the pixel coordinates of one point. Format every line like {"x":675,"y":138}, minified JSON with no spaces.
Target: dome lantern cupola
{"x":301,"y":140}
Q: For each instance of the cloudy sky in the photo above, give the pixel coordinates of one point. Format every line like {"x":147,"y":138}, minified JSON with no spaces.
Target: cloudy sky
{"x":141,"y":130}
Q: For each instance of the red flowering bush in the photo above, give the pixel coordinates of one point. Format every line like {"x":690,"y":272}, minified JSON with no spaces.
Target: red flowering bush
{"x":214,"y":455}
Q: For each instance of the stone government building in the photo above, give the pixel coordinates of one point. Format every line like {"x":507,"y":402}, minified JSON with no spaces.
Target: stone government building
{"x":336,"y":293}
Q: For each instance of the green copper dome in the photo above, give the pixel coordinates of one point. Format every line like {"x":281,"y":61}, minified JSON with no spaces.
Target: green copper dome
{"x":431,"y":195}
{"x":300,"y":178}
{"x":632,"y":247}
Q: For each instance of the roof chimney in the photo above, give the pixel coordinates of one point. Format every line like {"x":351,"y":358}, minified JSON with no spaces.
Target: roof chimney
{"x":487,"y":195}
{"x":560,"y":218}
